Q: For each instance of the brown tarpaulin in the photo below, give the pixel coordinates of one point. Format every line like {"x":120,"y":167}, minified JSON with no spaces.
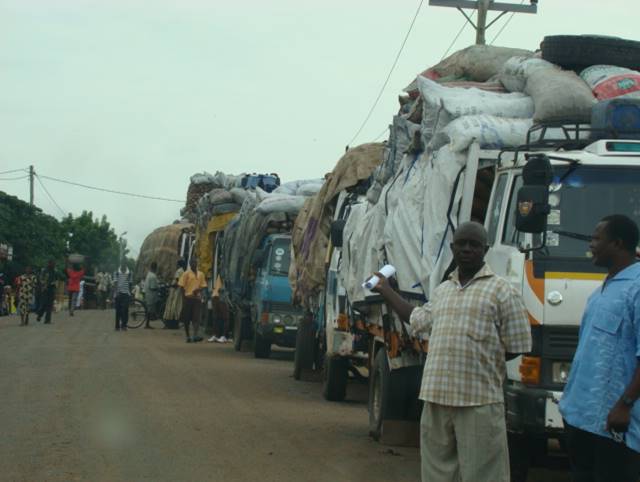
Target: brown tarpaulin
{"x":310,"y":236}
{"x":161,"y":246}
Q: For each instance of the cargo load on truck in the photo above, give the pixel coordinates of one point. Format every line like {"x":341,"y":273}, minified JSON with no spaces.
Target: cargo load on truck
{"x":458,"y":148}
{"x":253,"y":263}
{"x":165,"y":245}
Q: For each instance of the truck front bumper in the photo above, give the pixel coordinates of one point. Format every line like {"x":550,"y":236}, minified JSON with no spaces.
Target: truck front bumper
{"x":533,"y":411}
{"x":278,"y":333}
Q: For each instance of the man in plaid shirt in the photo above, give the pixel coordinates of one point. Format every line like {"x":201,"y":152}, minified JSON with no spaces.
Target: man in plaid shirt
{"x":475,"y":322}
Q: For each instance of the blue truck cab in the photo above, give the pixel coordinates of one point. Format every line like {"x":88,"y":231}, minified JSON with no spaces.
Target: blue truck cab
{"x":275,"y":319}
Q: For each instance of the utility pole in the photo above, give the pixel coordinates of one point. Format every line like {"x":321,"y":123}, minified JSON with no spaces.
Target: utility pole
{"x":31,"y":176}
{"x":483,"y":10}
{"x":483,"y":7}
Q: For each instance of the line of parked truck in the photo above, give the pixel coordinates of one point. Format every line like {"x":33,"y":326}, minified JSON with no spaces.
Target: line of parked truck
{"x":529,"y":143}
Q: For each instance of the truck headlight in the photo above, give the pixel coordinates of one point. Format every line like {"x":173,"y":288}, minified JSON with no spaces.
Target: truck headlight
{"x":277,"y":319}
{"x":560,"y":371}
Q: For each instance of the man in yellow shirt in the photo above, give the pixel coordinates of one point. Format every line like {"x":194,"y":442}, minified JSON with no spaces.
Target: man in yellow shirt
{"x":191,"y":283}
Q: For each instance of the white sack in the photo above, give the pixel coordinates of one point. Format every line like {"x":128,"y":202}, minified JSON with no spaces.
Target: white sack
{"x":559,"y":95}
{"x":309,"y":189}
{"x":490,"y":132}
{"x":460,"y":102}
{"x":291,"y":187}
{"x":283,"y":203}
{"x":516,"y":70}
{"x":239,"y":195}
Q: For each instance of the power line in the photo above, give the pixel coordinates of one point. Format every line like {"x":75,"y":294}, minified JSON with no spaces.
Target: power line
{"x":381,"y":134}
{"x":505,"y":25}
{"x":112,"y":191}
{"x":13,"y":178}
{"x":393,"y":66}
{"x":13,"y":170}
{"x":50,"y":196}
{"x":455,"y":39}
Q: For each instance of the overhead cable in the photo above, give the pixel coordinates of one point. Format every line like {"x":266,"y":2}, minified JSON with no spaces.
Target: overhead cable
{"x":455,"y":39}
{"x":393,"y":66}
{"x":112,"y":191}
{"x":13,"y":178}
{"x":504,"y":26}
{"x":50,"y":196}
{"x":13,"y":170}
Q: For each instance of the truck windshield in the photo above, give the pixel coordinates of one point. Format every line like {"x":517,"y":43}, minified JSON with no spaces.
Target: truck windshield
{"x":280,"y":257}
{"x":579,"y":197}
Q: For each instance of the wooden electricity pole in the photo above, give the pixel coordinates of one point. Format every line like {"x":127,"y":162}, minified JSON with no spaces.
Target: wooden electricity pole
{"x":31,"y":176}
{"x":483,"y":7}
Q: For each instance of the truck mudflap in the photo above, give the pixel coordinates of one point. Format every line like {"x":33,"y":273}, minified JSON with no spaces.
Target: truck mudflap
{"x":533,"y":410}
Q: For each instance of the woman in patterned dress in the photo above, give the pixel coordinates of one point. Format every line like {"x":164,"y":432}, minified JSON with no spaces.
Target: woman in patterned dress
{"x":25,"y":296}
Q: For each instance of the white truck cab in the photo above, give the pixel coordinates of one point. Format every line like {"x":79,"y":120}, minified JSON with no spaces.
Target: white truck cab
{"x":554,"y":270}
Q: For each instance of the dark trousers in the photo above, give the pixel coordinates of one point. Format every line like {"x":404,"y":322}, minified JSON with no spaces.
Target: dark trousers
{"x":220,"y":317}
{"x":191,"y":312}
{"x":122,"y":311}
{"x":600,"y":459}
{"x":46,"y":305}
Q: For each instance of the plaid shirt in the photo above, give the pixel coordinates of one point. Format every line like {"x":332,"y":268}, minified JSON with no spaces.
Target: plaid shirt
{"x":469,"y":330}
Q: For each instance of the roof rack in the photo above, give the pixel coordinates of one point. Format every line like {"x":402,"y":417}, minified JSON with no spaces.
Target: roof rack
{"x":575,"y":136}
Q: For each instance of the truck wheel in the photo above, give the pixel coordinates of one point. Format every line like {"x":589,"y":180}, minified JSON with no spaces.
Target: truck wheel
{"x":387,"y":394}
{"x":261,"y":347}
{"x":305,"y":348}
{"x":335,"y":377}
{"x":577,"y":52}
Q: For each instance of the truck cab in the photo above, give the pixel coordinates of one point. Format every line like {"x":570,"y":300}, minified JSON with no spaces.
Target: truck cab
{"x":554,"y":272}
{"x":275,"y":319}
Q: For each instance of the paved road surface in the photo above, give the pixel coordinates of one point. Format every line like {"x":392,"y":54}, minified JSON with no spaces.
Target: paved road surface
{"x":79,"y":401}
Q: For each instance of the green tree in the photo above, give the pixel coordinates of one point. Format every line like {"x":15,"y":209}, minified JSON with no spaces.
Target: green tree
{"x":93,"y":238}
{"x":36,"y":237}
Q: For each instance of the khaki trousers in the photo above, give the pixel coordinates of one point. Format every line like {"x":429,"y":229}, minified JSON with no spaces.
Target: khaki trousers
{"x":464,"y":444}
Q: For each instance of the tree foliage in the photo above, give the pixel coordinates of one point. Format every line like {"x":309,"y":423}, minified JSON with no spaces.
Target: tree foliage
{"x":37,"y":237}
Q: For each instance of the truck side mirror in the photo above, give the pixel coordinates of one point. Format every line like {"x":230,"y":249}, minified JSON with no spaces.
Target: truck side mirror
{"x":533,"y":197}
{"x":533,"y":209}
{"x":337,"y":229}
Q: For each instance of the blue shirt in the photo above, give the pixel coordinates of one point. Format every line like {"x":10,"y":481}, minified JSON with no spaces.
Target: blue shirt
{"x":607,"y":357}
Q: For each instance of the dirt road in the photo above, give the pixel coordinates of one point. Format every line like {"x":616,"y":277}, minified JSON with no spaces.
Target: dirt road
{"x":79,"y":401}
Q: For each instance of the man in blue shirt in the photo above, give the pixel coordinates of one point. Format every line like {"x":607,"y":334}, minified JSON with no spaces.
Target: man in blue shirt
{"x":599,"y":405}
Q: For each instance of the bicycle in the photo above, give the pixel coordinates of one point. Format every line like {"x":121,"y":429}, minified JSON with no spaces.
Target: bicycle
{"x":138,"y":314}
{"x":141,"y":314}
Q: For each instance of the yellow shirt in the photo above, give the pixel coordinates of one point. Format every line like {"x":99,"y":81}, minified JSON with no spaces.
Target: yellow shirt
{"x":217,"y":286}
{"x":191,"y":281}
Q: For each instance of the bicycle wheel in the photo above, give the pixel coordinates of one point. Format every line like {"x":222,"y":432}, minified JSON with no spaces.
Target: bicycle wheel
{"x":137,"y":313}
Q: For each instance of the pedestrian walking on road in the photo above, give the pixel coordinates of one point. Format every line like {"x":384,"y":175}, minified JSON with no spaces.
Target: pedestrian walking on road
{"x":122,"y":296}
{"x":48,"y":286}
{"x":173,"y":310}
{"x":192,"y":282}
{"x":74,"y":276}
{"x":28,"y":283}
{"x":475,"y":322}
{"x":220,"y":313}
{"x":103,"y":283}
{"x":151,"y":286}
{"x":599,"y":405}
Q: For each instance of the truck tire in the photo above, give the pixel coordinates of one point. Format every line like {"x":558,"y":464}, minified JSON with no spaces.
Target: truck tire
{"x":335,"y":377}
{"x":386,"y":394}
{"x":261,"y":347}
{"x":577,"y":52}
{"x":305,"y":348}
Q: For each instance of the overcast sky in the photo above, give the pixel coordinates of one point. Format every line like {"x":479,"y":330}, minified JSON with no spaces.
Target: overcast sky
{"x":137,"y":95}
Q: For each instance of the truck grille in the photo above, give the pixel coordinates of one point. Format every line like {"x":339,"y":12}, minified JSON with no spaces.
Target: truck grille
{"x":559,"y":341}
